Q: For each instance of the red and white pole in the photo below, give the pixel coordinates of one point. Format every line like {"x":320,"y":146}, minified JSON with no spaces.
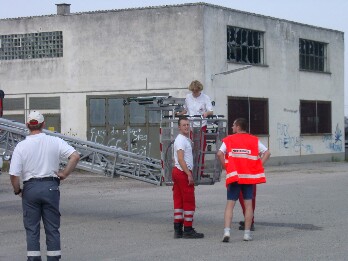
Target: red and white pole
{"x":2,"y":95}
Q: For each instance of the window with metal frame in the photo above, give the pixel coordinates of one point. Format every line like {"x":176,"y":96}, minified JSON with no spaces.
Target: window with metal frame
{"x":315,"y":117}
{"x":245,"y":45}
{"x":313,"y":55}
{"x":254,"y":110}
{"x":14,"y":104}
{"x":31,"y":45}
{"x":44,"y":103}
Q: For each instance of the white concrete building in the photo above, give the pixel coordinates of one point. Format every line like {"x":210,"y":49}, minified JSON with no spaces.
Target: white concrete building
{"x":79,"y":68}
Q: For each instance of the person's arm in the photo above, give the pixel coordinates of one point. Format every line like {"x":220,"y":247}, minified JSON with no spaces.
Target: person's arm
{"x":70,"y":166}
{"x":16,"y":185}
{"x":181,"y":113}
{"x":185,"y":110}
{"x":221,"y":157}
{"x":184,"y":167}
{"x":15,"y":171}
{"x":209,"y":107}
{"x":265,"y":156}
{"x":264,"y":153}
{"x":207,"y":113}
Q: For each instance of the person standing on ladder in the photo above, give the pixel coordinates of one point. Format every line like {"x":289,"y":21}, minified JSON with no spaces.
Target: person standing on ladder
{"x":198,"y":103}
{"x":183,"y":184}
{"x":36,"y":160}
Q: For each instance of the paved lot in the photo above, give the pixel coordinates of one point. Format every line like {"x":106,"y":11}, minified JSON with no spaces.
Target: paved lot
{"x":302,"y":214}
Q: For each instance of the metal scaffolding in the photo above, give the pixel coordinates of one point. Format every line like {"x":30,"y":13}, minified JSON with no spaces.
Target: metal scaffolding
{"x":112,"y":162}
{"x":207,"y":171}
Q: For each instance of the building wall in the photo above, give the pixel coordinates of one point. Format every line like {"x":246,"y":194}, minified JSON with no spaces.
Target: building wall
{"x":135,"y":51}
{"x":280,"y":80}
{"x":157,"y":50}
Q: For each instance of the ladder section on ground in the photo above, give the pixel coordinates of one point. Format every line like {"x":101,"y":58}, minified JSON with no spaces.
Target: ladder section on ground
{"x":94,"y":157}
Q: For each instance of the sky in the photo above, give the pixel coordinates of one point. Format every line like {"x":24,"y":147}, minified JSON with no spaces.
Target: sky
{"x":322,"y":13}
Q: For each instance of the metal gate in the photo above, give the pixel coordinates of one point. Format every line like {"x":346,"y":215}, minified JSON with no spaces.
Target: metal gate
{"x":123,"y":122}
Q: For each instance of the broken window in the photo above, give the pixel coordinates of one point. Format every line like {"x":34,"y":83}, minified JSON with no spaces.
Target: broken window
{"x":244,"y":45}
{"x":313,"y":55}
{"x":31,"y":45}
{"x":315,"y":117}
{"x":254,"y":110}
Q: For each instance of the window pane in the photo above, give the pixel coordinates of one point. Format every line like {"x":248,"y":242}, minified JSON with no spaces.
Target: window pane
{"x":116,"y":111}
{"x":154,"y":116}
{"x":137,"y":113}
{"x":258,"y":116}
{"x":312,"y":55}
{"x":244,"y":45}
{"x":238,"y":107}
{"x":31,"y":45}
{"x":308,"y":117}
{"x":97,"y":112}
{"x":324,"y":117}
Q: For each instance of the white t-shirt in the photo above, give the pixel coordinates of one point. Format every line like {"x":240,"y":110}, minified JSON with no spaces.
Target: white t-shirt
{"x":198,"y":106}
{"x":39,"y":156}
{"x":183,"y":143}
{"x":262,"y":148}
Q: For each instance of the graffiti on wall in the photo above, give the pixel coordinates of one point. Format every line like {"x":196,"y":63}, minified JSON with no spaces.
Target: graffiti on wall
{"x":70,"y":133}
{"x":290,"y":110}
{"x":131,"y":139}
{"x":334,"y":142}
{"x":286,"y":141}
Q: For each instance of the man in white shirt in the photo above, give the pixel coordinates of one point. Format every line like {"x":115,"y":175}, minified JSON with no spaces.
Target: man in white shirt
{"x":36,"y":160}
{"x":183,"y":184}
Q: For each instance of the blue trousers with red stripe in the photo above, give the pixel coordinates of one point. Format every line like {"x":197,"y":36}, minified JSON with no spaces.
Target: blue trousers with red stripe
{"x":183,"y":197}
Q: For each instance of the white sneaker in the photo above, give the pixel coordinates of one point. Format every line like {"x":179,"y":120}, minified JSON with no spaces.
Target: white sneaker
{"x":247,"y":237}
{"x":226,"y":237}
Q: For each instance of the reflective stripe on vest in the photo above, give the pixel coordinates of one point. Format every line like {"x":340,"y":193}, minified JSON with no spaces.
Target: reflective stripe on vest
{"x":231,"y":177}
{"x":232,"y":174}
{"x":245,"y":156}
{"x":251,"y":176}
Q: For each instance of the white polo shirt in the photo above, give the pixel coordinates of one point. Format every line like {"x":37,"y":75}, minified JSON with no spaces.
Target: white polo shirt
{"x":39,"y":156}
{"x":198,"y":106}
{"x":183,"y":143}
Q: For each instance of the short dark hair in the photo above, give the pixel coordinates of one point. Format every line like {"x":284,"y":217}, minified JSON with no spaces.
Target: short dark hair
{"x":242,"y":123}
{"x":35,"y":127}
{"x":182,"y":118}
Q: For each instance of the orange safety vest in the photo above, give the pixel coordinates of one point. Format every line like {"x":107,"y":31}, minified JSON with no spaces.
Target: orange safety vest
{"x":243,"y":164}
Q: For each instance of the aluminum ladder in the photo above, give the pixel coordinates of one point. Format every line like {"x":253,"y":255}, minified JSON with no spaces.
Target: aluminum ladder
{"x":94,"y":157}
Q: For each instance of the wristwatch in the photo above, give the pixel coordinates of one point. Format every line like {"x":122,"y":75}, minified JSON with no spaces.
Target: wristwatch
{"x":18,"y":192}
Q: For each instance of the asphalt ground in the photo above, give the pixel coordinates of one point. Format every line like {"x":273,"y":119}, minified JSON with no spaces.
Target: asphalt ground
{"x":301,"y":214}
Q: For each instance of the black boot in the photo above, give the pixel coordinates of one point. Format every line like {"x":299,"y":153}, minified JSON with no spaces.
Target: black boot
{"x":190,"y":232}
{"x":178,"y":230}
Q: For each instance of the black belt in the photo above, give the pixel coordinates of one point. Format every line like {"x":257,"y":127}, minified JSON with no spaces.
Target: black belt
{"x":42,"y":179}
